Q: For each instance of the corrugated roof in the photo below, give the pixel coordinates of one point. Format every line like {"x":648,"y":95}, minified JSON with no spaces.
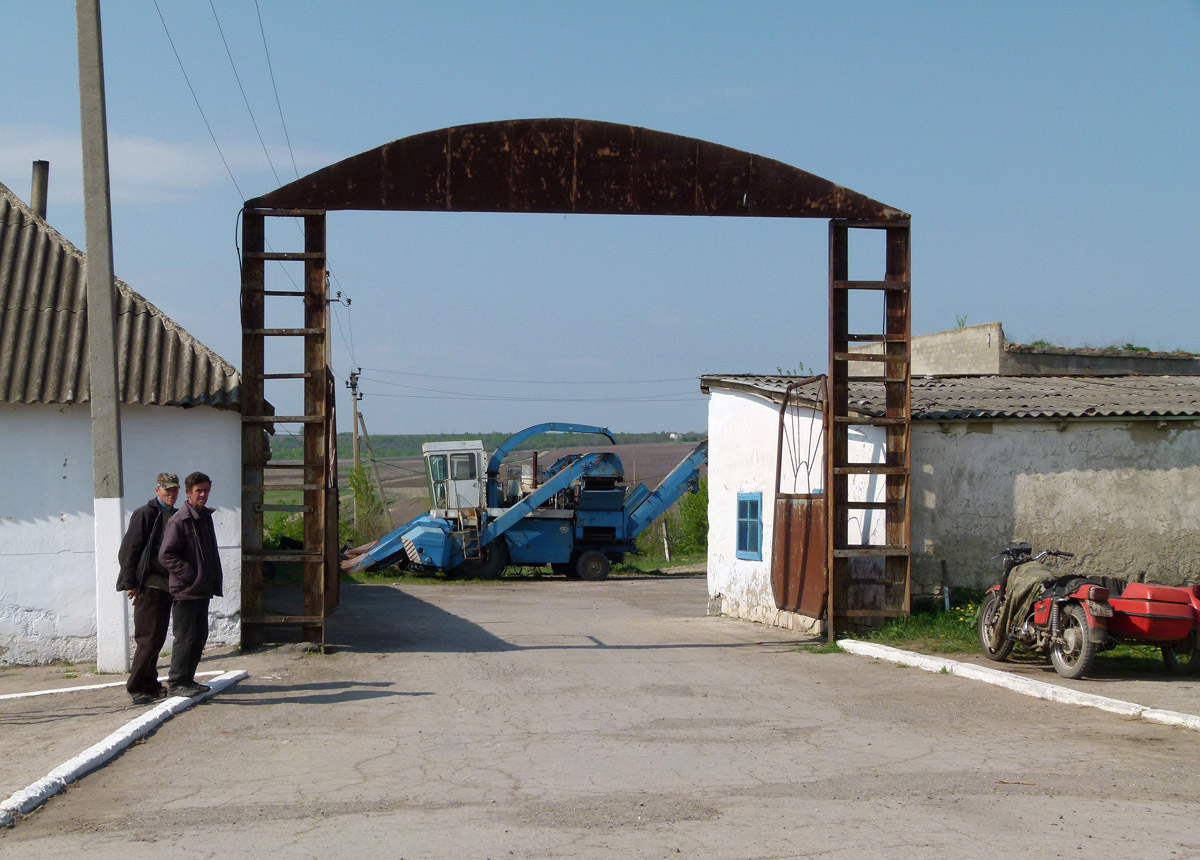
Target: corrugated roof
{"x":43,"y":329}
{"x":940,"y":398}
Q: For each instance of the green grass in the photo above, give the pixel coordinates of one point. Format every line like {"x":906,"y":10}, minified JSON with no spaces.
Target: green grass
{"x":632,"y":566}
{"x":645,"y":565}
{"x":933,"y":631}
{"x":823,"y":648}
{"x":938,"y":631}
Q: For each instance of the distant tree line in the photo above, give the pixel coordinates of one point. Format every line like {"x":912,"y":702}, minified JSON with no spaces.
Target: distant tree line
{"x":284,"y":447}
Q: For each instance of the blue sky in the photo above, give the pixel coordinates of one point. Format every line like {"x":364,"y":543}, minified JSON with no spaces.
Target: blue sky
{"x":1049,"y":154}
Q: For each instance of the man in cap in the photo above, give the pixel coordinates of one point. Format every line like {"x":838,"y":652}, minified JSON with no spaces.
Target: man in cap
{"x":145,"y":580}
{"x":189,"y":551}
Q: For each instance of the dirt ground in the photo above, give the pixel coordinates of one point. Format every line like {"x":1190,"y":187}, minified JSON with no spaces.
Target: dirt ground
{"x":566,"y":719}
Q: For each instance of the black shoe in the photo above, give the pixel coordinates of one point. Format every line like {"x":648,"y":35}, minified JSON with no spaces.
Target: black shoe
{"x":144,"y":698}
{"x":188,"y":690}
{"x":159,"y":692}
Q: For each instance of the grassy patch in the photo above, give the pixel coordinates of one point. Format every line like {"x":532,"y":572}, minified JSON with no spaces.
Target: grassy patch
{"x":1143,"y":659}
{"x":640,"y":565}
{"x":632,"y":566}
{"x":933,"y":631}
{"x":823,"y":648}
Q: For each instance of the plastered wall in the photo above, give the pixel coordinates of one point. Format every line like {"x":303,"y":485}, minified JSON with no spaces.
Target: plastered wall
{"x":47,"y":574}
{"x":743,"y":435}
{"x":1123,"y":495}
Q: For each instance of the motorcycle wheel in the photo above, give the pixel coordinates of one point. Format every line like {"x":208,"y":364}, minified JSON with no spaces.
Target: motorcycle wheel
{"x":1180,"y":657}
{"x":989,"y":616}
{"x":1072,"y":657}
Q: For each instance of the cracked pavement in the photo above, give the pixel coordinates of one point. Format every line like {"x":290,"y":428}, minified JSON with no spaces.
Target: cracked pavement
{"x":560,"y":719}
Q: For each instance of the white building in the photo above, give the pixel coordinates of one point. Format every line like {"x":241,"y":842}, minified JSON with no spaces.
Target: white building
{"x":179,"y":413}
{"x":1108,"y":468}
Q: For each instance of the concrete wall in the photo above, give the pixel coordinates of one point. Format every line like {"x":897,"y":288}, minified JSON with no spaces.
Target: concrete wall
{"x":47,"y":572}
{"x":975,"y":349}
{"x":983,"y":349}
{"x":1124,"y":496}
{"x":1025,"y":360}
{"x":743,"y":435}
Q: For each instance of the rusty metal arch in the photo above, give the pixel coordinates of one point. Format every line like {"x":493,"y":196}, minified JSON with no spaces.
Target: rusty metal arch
{"x":571,"y":166}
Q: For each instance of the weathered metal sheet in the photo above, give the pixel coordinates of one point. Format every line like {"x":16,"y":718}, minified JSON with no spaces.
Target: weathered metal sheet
{"x":43,"y":329}
{"x":571,"y":166}
{"x":946,"y":398}
{"x":798,"y":555}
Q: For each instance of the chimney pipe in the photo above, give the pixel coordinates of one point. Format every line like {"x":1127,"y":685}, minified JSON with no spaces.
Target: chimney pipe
{"x":41,"y":185}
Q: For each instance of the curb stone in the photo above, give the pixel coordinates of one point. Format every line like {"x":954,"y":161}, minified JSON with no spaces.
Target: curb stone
{"x":1025,"y":686}
{"x":34,"y":795}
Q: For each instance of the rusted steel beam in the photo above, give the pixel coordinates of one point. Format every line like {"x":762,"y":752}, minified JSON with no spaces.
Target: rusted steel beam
{"x":571,"y":166}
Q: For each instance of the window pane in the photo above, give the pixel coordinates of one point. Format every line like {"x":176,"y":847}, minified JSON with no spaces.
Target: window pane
{"x":437,"y":467}
{"x":462,"y":467}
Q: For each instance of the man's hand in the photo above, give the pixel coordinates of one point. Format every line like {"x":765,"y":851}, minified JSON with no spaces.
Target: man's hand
{"x":133,"y":595}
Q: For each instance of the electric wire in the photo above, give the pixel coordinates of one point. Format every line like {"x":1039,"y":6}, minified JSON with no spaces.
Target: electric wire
{"x":669,"y":398}
{"x":278,"y":105}
{"x":528,"y":381}
{"x":197,"y":101}
{"x":242,"y":89}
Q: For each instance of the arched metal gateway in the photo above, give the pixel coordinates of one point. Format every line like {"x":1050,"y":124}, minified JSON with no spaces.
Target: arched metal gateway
{"x":569,"y":166}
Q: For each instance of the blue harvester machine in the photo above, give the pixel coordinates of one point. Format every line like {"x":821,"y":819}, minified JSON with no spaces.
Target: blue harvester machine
{"x":577,"y":515}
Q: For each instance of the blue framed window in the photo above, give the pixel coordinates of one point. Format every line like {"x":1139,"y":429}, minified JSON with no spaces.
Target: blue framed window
{"x":749,"y":526}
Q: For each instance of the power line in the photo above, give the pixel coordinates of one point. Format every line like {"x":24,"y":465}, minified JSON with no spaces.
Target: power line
{"x":271,"y":70}
{"x":681,"y":397}
{"x":197,"y":101}
{"x":238,"y":78}
{"x":529,"y":381}
{"x":512,"y":397}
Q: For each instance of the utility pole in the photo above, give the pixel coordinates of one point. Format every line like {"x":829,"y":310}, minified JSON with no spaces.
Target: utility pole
{"x":112,"y":617}
{"x":355,"y":396}
{"x":378,"y":482}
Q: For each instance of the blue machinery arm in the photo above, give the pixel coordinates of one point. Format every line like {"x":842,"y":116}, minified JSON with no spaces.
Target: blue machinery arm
{"x":506,"y":447}
{"x":643,"y":507}
{"x":544,"y":493}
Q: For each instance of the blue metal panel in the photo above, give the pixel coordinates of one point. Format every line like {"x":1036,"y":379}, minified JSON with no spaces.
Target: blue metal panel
{"x":681,"y":478}
{"x":430,"y":537}
{"x":540,"y":542}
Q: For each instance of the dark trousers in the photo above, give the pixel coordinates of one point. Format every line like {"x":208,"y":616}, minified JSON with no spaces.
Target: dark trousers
{"x":190,"y":619}
{"x":151,"y":614}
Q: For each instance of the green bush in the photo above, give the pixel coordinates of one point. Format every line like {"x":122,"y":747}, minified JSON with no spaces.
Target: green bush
{"x":363,"y":519}
{"x":687,"y":528}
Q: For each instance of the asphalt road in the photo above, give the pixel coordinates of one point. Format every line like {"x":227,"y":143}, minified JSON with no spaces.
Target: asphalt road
{"x":593,"y":720}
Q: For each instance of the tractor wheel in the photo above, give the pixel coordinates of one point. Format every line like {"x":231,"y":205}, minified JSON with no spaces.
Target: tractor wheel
{"x":493,"y":560}
{"x":592,"y":565}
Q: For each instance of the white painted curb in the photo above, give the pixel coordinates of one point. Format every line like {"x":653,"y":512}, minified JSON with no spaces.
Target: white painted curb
{"x":1025,"y":686}
{"x":31,"y":797}
{"x":85,"y":687}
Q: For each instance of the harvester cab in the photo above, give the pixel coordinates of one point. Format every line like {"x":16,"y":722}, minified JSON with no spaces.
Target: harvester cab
{"x":454,"y":472}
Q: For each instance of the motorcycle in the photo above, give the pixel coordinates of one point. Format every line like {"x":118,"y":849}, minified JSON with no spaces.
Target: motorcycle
{"x":1065,"y":616}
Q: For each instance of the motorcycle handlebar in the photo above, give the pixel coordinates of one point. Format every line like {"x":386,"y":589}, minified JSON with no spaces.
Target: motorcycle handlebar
{"x":1055,"y":552}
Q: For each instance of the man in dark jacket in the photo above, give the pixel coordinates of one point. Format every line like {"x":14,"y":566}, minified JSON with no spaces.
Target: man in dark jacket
{"x":189,"y":553}
{"x":145,"y":580}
